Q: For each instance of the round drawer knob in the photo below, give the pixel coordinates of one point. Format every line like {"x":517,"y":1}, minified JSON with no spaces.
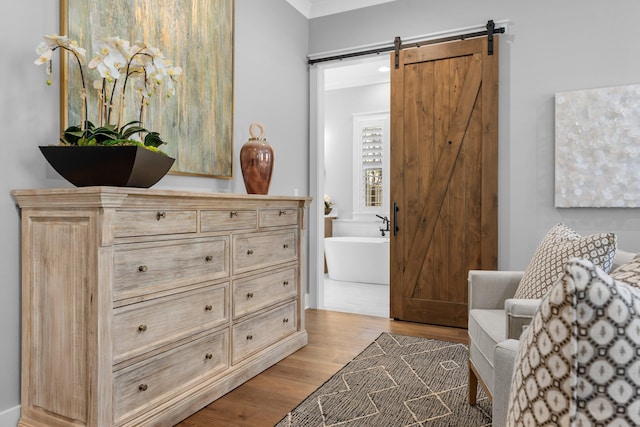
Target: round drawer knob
{"x":250,"y":252}
{"x":142,"y":387}
{"x":249,"y":337}
{"x":208,"y":258}
{"x":232,"y":214}
{"x":161,"y":215}
{"x":282,"y":213}
{"x":142,"y":328}
{"x":285,"y":320}
{"x":285,"y":283}
{"x":250,"y":295}
{"x":142,"y":269}
{"x":208,"y":307}
{"x":286,"y":246}
{"x":208,"y":356}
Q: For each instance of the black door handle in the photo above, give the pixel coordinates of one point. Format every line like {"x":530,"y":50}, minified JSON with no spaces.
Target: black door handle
{"x":395,"y":218}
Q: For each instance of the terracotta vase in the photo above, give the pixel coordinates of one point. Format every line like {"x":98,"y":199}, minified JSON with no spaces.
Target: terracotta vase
{"x":256,"y":162}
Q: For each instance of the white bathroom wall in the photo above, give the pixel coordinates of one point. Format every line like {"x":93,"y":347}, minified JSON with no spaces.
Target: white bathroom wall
{"x":340,"y":106}
{"x":271,"y":86}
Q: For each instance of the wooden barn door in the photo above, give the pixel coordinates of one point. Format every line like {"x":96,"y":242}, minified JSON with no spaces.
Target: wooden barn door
{"x":444,"y":167}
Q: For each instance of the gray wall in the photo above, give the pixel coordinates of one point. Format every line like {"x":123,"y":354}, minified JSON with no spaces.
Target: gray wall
{"x":271,"y":86}
{"x":340,"y":106}
{"x":551,"y":47}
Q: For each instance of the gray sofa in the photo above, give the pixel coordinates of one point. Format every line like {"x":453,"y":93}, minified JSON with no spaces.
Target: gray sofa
{"x":496,"y":321}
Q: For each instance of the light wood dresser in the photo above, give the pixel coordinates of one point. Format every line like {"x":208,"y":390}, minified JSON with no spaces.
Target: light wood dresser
{"x":140,"y":307}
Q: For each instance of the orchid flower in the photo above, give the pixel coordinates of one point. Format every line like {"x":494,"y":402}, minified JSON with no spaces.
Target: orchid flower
{"x":45,"y":54}
{"x":45,"y":51}
{"x":174,"y":74}
{"x":115,"y":61}
{"x":111,"y":58}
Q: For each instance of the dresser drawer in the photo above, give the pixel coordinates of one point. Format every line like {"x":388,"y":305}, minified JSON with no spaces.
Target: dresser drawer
{"x":144,"y":385}
{"x":130,"y":223}
{"x":228,"y":220}
{"x":254,"y":293}
{"x":254,"y":251}
{"x":147,"y":325}
{"x":263,"y":330}
{"x":278,"y":217}
{"x":144,"y":268}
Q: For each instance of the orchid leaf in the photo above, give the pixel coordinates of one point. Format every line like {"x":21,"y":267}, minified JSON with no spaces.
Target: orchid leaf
{"x":153,"y":140}
{"x":129,"y":132}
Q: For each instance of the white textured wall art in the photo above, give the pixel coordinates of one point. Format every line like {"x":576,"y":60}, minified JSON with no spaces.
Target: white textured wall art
{"x":598,"y":148}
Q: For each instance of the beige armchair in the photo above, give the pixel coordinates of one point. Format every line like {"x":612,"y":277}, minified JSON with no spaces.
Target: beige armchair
{"x":496,"y":321}
{"x":489,"y":323}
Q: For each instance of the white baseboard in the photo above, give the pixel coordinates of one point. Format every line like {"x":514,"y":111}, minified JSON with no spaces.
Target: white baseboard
{"x":9,"y":417}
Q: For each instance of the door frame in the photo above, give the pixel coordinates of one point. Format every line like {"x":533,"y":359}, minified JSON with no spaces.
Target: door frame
{"x":315,"y":294}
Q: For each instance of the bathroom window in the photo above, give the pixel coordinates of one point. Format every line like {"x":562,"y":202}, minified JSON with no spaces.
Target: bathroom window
{"x":371,"y":163}
{"x":373,"y":187}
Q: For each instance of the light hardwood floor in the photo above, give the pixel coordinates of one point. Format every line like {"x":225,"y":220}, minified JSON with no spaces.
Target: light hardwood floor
{"x":334,"y":339}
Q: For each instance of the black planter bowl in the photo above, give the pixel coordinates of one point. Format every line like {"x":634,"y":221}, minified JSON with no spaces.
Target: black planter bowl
{"x":118,"y":166}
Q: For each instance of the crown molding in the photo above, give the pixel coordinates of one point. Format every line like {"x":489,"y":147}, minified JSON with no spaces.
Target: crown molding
{"x":317,"y":8}
{"x":303,"y":6}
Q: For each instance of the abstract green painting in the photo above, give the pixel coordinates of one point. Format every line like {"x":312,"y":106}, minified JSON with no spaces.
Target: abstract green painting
{"x":197,"y":35}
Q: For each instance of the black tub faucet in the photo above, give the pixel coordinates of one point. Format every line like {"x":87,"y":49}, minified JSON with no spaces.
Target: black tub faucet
{"x":385,"y":220}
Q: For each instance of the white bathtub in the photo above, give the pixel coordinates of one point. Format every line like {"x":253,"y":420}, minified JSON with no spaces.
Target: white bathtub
{"x":358,"y":259}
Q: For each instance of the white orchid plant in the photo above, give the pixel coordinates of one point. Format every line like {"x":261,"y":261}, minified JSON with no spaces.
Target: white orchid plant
{"x":116,"y":62}
{"x":328,"y":204}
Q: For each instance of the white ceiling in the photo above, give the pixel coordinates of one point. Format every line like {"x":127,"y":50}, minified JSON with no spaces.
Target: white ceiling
{"x":316,"y":8}
{"x":357,"y":73}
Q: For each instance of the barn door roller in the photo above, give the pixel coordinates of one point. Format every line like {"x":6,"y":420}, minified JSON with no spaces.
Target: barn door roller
{"x":491,"y":27}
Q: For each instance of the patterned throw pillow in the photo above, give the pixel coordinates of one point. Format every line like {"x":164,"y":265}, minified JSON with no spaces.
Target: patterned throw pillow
{"x":578,"y":363}
{"x":629,"y":272}
{"x":560,"y":245}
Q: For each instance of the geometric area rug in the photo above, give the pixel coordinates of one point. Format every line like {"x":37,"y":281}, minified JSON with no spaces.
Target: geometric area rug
{"x":396,"y":381}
